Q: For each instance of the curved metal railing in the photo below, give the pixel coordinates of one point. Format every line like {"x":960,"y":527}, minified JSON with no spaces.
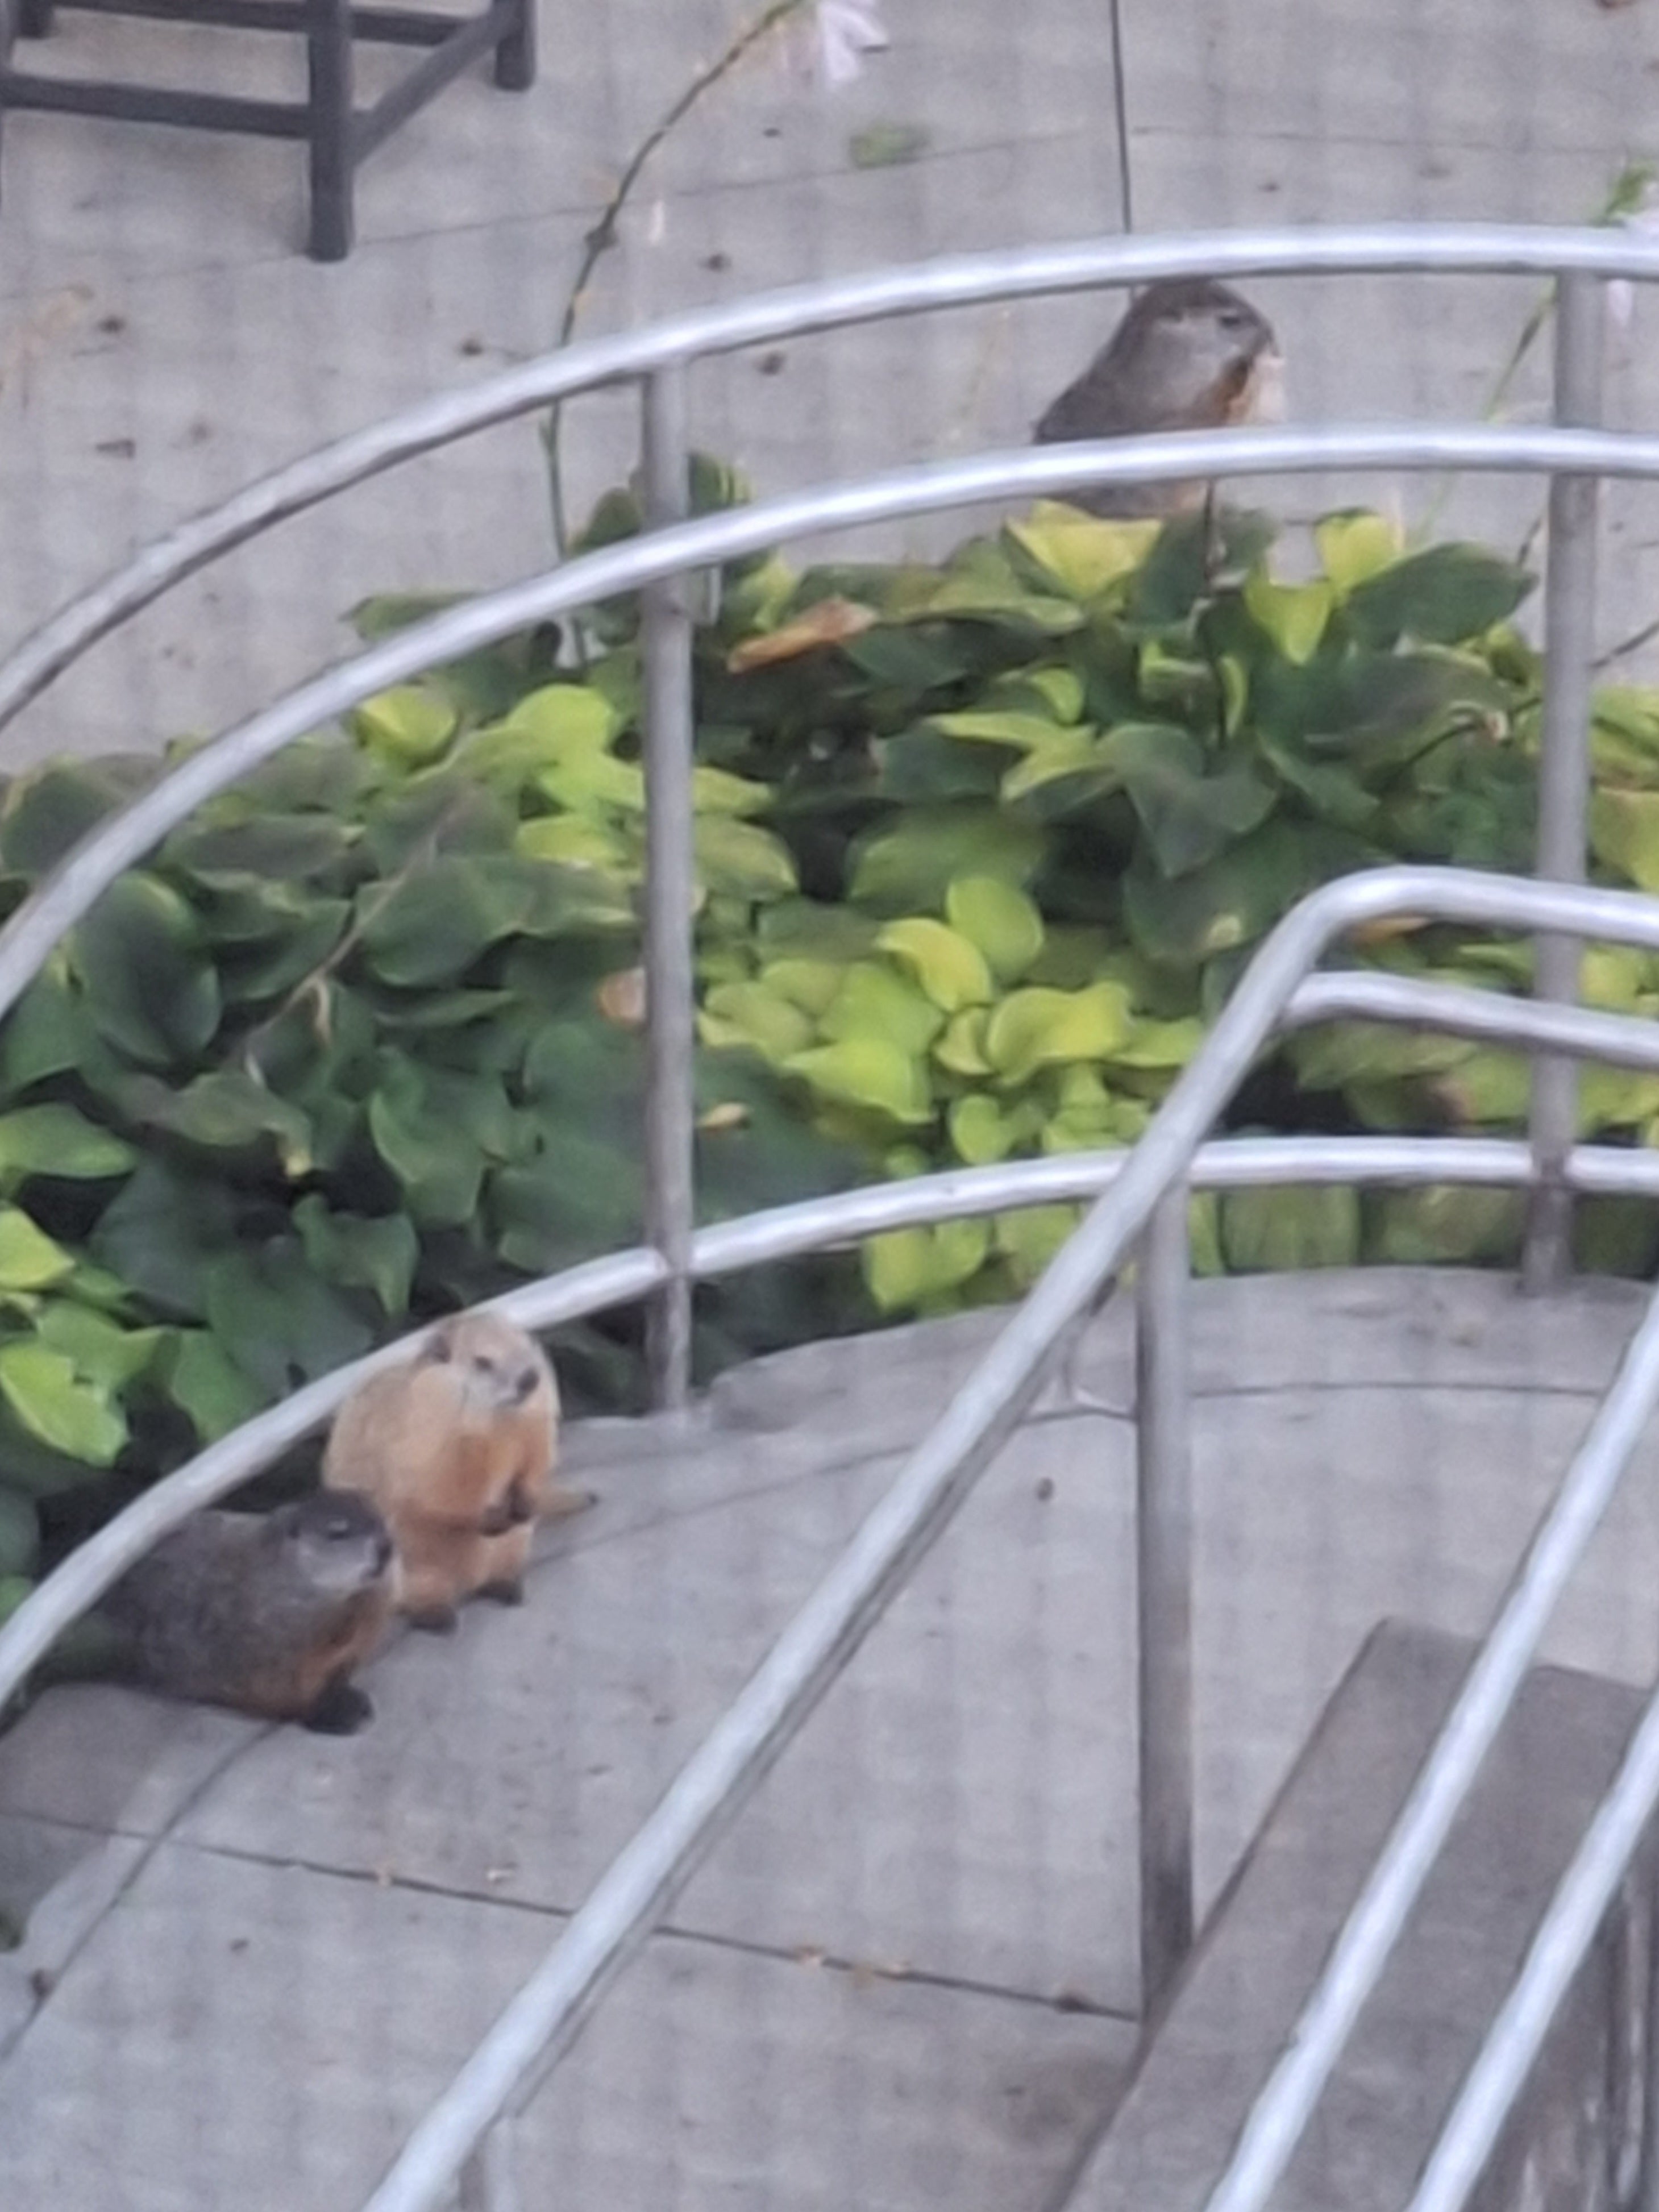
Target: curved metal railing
{"x":1141,"y":1194}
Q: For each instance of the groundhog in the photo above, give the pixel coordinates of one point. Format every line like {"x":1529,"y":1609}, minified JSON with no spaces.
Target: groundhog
{"x":1189,"y":354}
{"x":269,"y":1612}
{"x":457,"y":1450}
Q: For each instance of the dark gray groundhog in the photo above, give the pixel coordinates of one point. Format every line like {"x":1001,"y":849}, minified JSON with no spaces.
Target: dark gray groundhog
{"x":1189,"y":354}
{"x":267,"y":1613}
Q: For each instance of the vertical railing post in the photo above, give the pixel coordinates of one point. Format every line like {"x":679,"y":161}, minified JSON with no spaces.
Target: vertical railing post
{"x":670,"y":1202}
{"x":1563,"y":772}
{"x":1164,"y":1612}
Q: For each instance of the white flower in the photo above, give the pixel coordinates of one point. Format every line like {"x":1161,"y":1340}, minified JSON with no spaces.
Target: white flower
{"x":844,"y":31}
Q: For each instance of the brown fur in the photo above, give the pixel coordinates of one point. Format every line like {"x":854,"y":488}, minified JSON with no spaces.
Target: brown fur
{"x":269,"y":1613}
{"x":457,"y":1450}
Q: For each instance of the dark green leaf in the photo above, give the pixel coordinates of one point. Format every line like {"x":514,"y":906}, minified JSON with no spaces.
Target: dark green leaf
{"x":149,"y":984}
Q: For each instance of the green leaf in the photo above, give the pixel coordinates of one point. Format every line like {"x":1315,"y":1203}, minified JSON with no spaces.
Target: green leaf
{"x":20,"y":1535}
{"x":101,"y":1350}
{"x":907,"y":1267}
{"x":999,"y":918}
{"x":407,"y":727}
{"x":908,"y":868}
{"x":1441,"y":1225}
{"x":43,"y":1391}
{"x":225,"y":1110}
{"x":872,"y":1001}
{"x":209,"y":1386}
{"x":1029,"y":1237}
{"x":1293,"y":616}
{"x":1081,"y":554}
{"x":741,"y":859}
{"x":755,"y":1015}
{"x":1022,"y":732}
{"x":370,"y":1252}
{"x":439,"y":1170}
{"x":150,"y":985}
{"x":1033,"y":1027}
{"x":432,"y":927}
{"x":979,"y":1132}
{"x":961,"y":1047}
{"x":1189,"y":816}
{"x":948,"y":966}
{"x":809,"y":984}
{"x":1624,"y":829}
{"x":563,"y":721}
{"x":277,"y":1320}
{"x":49,"y":1032}
{"x":1289,"y":1228}
{"x":1355,"y":545}
{"x":1220,"y":908}
{"x":1441,"y":595}
{"x":870,"y":1073}
{"x":59,"y":1140}
{"x":48,"y":810}
{"x":29,"y":1260}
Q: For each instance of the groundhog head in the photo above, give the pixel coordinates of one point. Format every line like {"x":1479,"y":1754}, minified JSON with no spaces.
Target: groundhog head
{"x":496,"y":1366}
{"x":334,"y":1542}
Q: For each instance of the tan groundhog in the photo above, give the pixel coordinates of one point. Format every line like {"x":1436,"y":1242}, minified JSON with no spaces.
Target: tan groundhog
{"x":269,"y":1612}
{"x":457,"y":1450}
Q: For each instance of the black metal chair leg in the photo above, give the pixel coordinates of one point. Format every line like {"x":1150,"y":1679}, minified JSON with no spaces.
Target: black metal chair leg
{"x":515,"y":55}
{"x":328,"y":57}
{"x":33,"y":18}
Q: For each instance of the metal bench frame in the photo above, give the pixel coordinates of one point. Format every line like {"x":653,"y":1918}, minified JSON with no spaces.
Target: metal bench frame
{"x":340,"y":135}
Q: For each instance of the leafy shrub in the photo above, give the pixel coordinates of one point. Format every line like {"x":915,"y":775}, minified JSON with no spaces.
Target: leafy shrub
{"x":980,"y":848}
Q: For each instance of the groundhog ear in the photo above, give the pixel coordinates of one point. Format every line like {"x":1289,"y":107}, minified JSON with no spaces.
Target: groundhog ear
{"x":441,"y":1349}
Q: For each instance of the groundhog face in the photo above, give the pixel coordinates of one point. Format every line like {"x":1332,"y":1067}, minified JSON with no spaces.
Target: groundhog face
{"x":335,"y":1542}
{"x":496,"y":1369}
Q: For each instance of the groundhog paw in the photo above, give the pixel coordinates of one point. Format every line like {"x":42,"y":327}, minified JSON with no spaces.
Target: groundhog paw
{"x":436,"y":1619}
{"x":508,"y":1590}
{"x":342,"y":1710}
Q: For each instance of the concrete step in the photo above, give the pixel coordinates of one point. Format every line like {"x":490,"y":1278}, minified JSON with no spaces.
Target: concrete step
{"x":1574,"y":2139}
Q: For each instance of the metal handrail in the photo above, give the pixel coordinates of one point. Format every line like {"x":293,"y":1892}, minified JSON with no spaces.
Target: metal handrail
{"x":955,"y":281}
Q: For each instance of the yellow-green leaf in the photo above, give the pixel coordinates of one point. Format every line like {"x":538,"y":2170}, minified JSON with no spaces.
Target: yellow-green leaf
{"x":29,"y":1260}
{"x":998,"y":918}
{"x":1081,"y":553}
{"x":1007,"y":726}
{"x":1035,"y":1026}
{"x":979,"y":1132}
{"x":908,"y":1266}
{"x":49,"y":1400}
{"x":1293,"y":615}
{"x":575,"y":840}
{"x":867,"y":1072}
{"x":961,"y":1047}
{"x":749,"y":1013}
{"x":1355,"y":545}
{"x":950,"y":967}
{"x":408,"y":726}
{"x":563,"y":718}
{"x":716,"y":790}
{"x":1029,"y":1238}
{"x":873,"y":1002}
{"x":809,"y":984}
{"x":741,"y":859}
{"x":1624,"y":829}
